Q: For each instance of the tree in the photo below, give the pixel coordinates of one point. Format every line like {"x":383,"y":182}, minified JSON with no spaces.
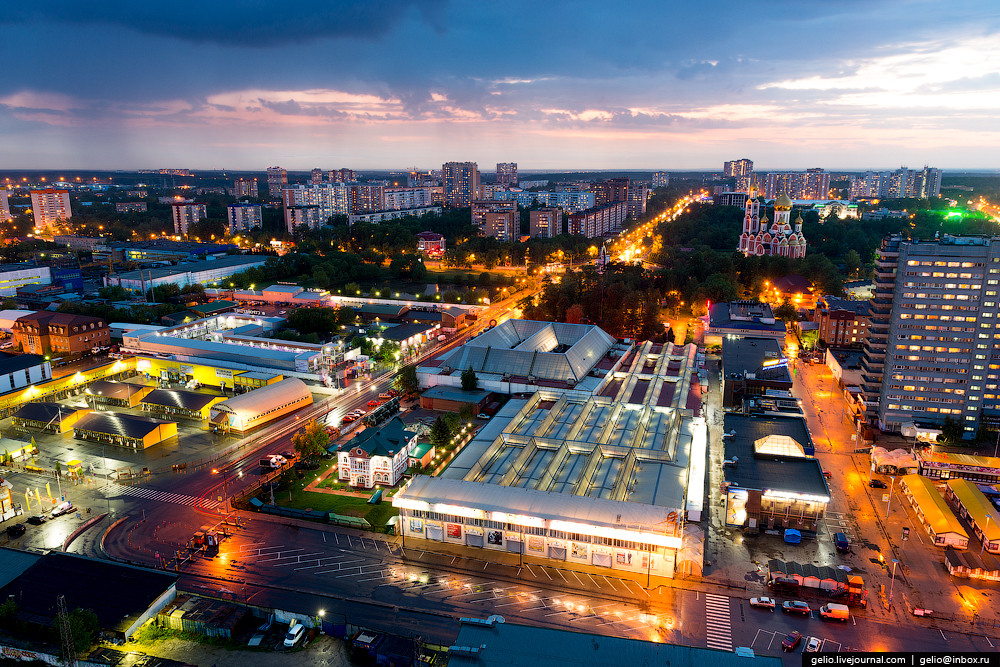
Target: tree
{"x":951,"y":430}
{"x":406,"y":379}
{"x":440,"y":433}
{"x":352,"y":289}
{"x":786,"y":312}
{"x":311,"y":441}
{"x":574,"y":314}
{"x":469,"y":380}
{"x":111,"y":293}
{"x":84,"y":626}
{"x":320,"y":278}
{"x":852,"y":262}
{"x":466,"y":413}
{"x":670,"y":335}
{"x":387,"y":351}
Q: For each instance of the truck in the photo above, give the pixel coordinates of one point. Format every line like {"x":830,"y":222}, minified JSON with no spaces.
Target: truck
{"x":272,"y":462}
{"x":834,"y":610}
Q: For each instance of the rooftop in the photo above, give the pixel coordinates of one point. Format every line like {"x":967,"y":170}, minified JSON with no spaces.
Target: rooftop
{"x":513,"y":645}
{"x":456,"y":394}
{"x":544,"y":350}
{"x":775,"y":453}
{"x":383,"y":441}
{"x":193,"y":267}
{"x":861,"y":308}
{"x":745,"y":316}
{"x":11,"y":363}
{"x":115,"y":423}
{"x":749,"y":355}
{"x":186,"y":400}
{"x":404,"y":331}
{"x":847,"y":357}
{"x":46,"y":412}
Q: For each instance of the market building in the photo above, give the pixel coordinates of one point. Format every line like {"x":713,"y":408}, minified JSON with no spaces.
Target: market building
{"x":261,"y":406}
{"x":948,"y":465}
{"x":172,"y":403}
{"x":377,"y":456}
{"x":51,"y":417}
{"x":977,"y":510}
{"x":933,"y":513}
{"x":771,"y":478}
{"x":124,"y":430}
{"x":754,"y":369}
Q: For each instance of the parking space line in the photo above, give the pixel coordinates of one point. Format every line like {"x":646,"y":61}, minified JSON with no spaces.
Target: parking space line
{"x":609,"y":583}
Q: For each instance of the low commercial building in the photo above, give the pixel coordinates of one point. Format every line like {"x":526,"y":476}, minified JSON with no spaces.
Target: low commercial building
{"x":451,"y":399}
{"x":742,"y":318}
{"x":13,"y":276}
{"x":182,"y":275}
{"x":377,"y":456}
{"x":495,"y":643}
{"x":948,"y":465}
{"x":771,"y":480}
{"x":175,"y":403}
{"x":973,"y":506}
{"x":22,"y":370}
{"x":933,"y":512}
{"x":754,"y":368}
{"x":261,"y":406}
{"x":845,"y":364}
{"x":51,"y":417}
{"x":124,"y":430}
{"x":431,"y":244}
{"x":210,"y":374}
{"x":118,"y":394}
{"x":408,"y":336}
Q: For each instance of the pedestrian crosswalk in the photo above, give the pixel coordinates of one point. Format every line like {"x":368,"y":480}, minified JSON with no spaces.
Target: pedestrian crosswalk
{"x":162,"y":496}
{"x":718,"y":623}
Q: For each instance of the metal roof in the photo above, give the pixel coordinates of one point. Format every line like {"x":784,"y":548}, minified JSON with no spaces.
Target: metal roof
{"x":936,"y":512}
{"x":261,"y":400}
{"x":456,"y":394}
{"x":129,"y":426}
{"x":749,"y":354}
{"x":119,"y":390}
{"x":45,"y":412}
{"x":404,"y":331}
{"x":11,"y":363}
{"x":13,"y":564}
{"x":778,"y":473}
{"x":514,"y":645}
{"x":195,"y":267}
{"x":979,"y":507}
{"x":186,"y":400}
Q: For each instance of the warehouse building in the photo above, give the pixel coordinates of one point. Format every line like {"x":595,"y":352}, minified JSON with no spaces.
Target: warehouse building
{"x":578,"y":479}
{"x":51,"y":417}
{"x":771,"y":480}
{"x":118,"y":394}
{"x":256,"y":408}
{"x":124,"y":430}
{"x":973,"y":506}
{"x":182,"y":275}
{"x":171,"y":403}
{"x":930,"y":508}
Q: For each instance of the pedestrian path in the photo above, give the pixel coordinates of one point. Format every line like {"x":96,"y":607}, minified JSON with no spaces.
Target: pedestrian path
{"x":162,"y":496}
{"x":718,"y":622}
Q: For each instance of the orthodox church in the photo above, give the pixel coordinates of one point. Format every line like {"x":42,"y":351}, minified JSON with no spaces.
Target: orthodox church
{"x":778,"y":238}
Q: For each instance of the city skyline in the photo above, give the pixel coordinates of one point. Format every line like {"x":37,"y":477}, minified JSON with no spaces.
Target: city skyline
{"x":394,"y":83}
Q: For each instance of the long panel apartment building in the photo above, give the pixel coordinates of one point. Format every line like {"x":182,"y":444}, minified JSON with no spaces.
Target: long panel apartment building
{"x":598,"y":221}
{"x":942,"y":342}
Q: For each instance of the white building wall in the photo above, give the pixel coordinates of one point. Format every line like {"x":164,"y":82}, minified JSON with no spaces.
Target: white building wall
{"x":32,"y":275}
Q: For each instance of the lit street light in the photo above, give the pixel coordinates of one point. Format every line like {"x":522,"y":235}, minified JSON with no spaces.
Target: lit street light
{"x":892,"y":581}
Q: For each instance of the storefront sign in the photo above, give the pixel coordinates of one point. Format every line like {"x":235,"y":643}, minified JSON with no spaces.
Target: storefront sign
{"x":224,"y":373}
{"x":494,"y":537}
{"x":736,"y":506}
{"x":578,"y":550}
{"x":455,"y":530}
{"x":536,"y":544}
{"x":624,"y":558}
{"x":416,"y":525}
{"x":187,"y":370}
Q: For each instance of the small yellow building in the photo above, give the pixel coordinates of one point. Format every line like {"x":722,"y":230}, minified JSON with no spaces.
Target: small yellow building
{"x":52,"y":417}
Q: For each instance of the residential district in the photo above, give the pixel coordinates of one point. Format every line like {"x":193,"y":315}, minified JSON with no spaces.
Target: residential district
{"x":454,"y":417}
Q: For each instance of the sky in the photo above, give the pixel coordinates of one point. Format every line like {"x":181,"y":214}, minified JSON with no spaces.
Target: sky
{"x":553,"y":84}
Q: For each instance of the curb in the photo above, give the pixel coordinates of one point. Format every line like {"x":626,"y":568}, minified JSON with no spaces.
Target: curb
{"x":79,"y":531}
{"x":105,"y":536}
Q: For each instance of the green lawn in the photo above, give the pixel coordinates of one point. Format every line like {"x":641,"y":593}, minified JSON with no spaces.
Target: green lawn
{"x":300,"y":499}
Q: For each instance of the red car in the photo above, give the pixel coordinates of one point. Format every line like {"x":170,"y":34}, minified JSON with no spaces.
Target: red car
{"x":791,"y":641}
{"x":373,"y":404}
{"x":348,"y":419}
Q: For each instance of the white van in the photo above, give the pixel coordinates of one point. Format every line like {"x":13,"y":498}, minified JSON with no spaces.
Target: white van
{"x":838,"y":611}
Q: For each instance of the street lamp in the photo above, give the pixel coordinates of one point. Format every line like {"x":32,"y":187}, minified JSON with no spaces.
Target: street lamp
{"x":895,"y":562}
{"x":888,"y":504}
{"x":225,"y":484}
{"x":985,"y":538}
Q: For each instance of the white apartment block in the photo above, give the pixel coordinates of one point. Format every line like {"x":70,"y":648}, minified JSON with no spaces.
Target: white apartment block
{"x":903,"y":182}
{"x":661,"y":179}
{"x":186,"y":214}
{"x":4,"y":206}
{"x":50,"y":207}
{"x":402,"y":198}
{"x":243,"y":217}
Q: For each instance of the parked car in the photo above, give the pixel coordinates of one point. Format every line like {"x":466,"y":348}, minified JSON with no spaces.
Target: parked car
{"x":764,"y":602}
{"x":359,"y":412}
{"x":348,"y":419}
{"x":373,"y":404}
{"x":291,"y":456}
{"x":878,"y":484}
{"x":813,"y":645}
{"x":790,"y":641}
{"x":827,"y":474}
{"x":63,"y":508}
{"x":294,"y":635}
{"x":37,"y":519}
{"x":17,"y":530}
{"x":306,"y":465}
{"x":796,"y":607}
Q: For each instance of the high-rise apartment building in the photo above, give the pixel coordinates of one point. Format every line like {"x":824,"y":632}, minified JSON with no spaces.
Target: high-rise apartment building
{"x":461,"y":183}
{"x":329,"y":199}
{"x":898,"y":184}
{"x":397,"y":199}
{"x":610,"y":191}
{"x":571,"y":201}
{"x":50,"y":207}
{"x":737,"y":168}
{"x":342,"y":176}
{"x":635,"y":199}
{"x":366,"y":198}
{"x":504,"y":226}
{"x":186,"y":214}
{"x":545,"y":223}
{"x":598,"y":221}
{"x":277,"y":178}
{"x":316,"y":177}
{"x":243,"y":217}
{"x":309,"y":215}
{"x":507,"y":173}
{"x":661,"y":179}
{"x":245,"y":187}
{"x":4,"y":206}
{"x":480,"y":207}
{"x":940,"y":330}
{"x":811,"y":184}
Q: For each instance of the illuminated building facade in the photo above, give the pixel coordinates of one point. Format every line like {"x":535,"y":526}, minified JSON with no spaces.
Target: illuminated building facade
{"x":758,"y":238}
{"x":50,"y":207}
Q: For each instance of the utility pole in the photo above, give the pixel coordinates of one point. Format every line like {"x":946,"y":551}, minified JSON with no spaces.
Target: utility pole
{"x":66,"y":633}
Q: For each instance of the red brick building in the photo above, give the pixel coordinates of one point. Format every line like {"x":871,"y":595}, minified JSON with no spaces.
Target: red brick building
{"x":842,"y":322}
{"x":61,"y":333}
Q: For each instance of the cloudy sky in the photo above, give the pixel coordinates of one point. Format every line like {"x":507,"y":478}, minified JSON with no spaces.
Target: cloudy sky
{"x":550,"y":84}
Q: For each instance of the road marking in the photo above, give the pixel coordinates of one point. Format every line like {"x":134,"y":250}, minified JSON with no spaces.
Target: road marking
{"x":372,"y":579}
{"x":161,"y":496}
{"x":529,"y":569}
{"x":942,"y":635}
{"x":299,"y":558}
{"x":324,"y":537}
{"x":594,"y":580}
{"x":610,"y":584}
{"x":718,"y":631}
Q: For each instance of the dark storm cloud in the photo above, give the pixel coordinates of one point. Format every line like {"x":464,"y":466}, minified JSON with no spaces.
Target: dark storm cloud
{"x":250,"y":23}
